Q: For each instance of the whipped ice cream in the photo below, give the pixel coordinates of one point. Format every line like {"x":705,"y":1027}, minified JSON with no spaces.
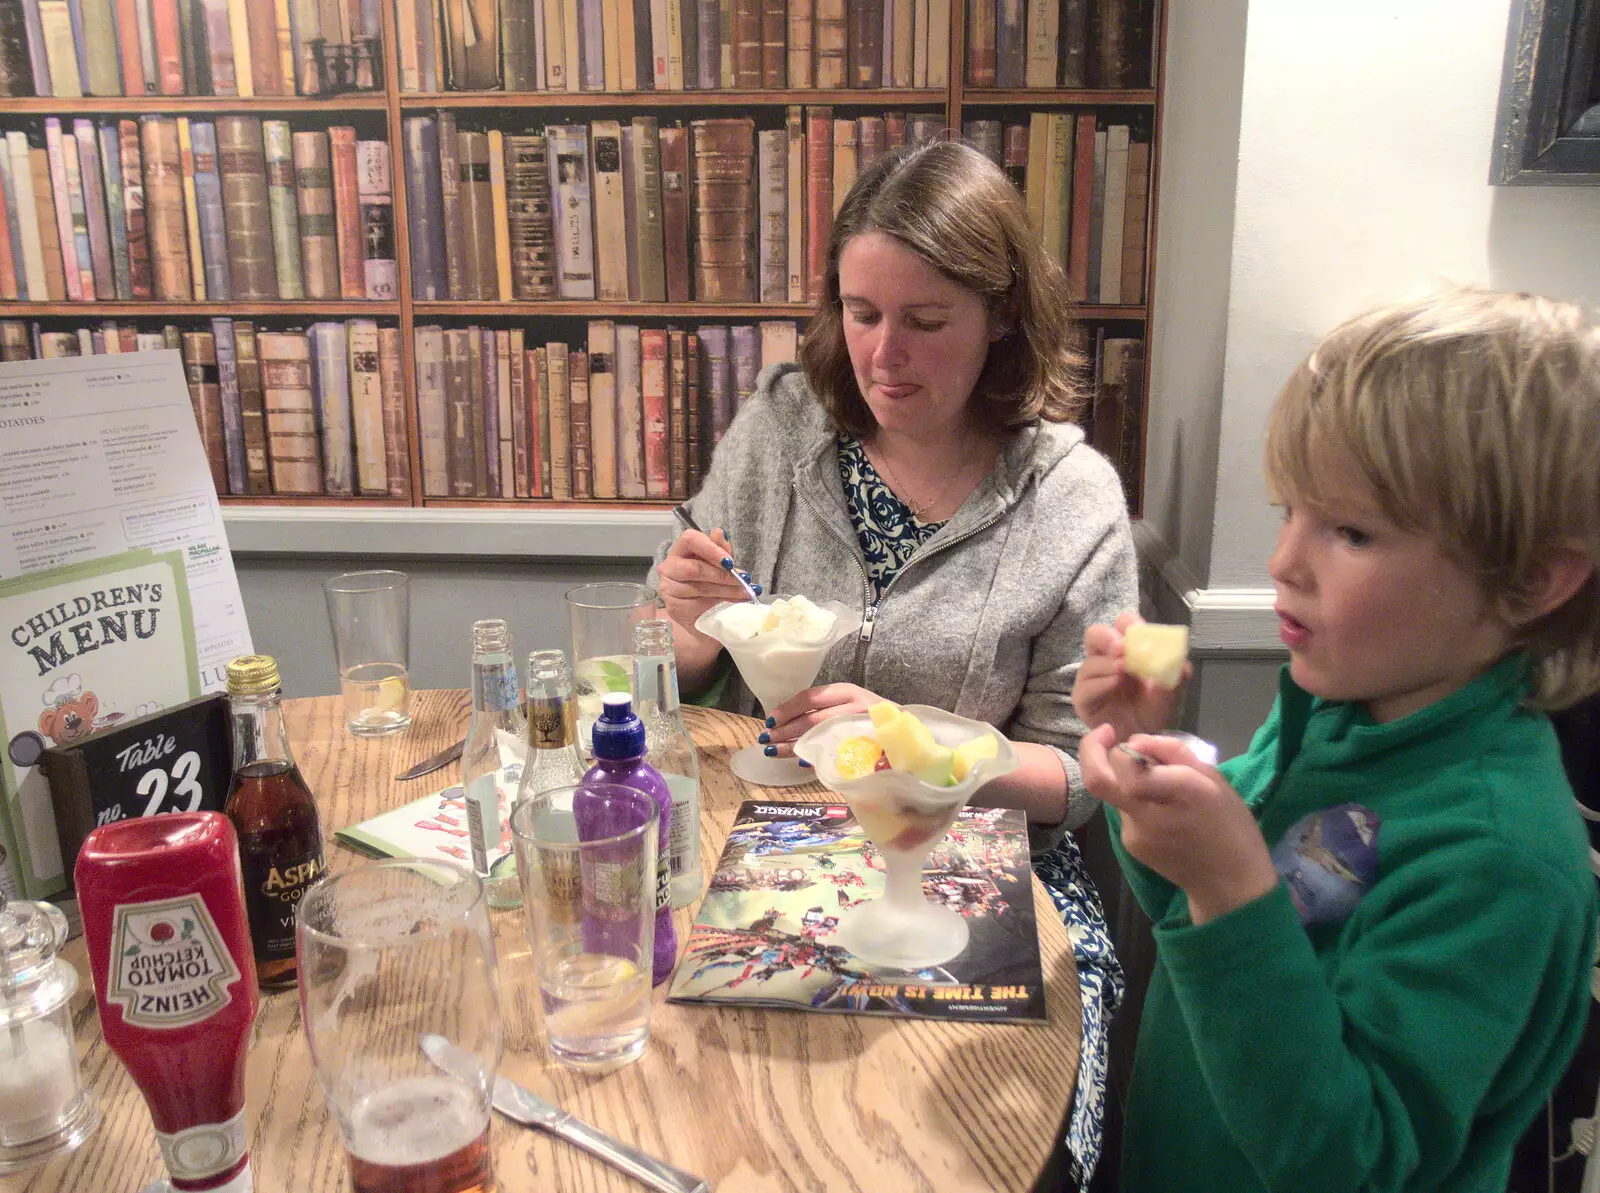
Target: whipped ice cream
{"x":796,"y":619}
{"x":778,"y":647}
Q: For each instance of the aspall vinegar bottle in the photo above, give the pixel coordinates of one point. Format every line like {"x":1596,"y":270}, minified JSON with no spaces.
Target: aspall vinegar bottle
{"x":275,"y":815}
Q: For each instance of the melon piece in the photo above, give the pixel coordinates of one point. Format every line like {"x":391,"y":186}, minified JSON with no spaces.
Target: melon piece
{"x":1156,"y":652}
{"x":937,"y":767}
{"x":857,"y":756}
{"x":969,"y":754}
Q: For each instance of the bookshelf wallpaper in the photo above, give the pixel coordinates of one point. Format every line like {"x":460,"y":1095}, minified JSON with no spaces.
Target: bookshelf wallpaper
{"x":507,"y":251}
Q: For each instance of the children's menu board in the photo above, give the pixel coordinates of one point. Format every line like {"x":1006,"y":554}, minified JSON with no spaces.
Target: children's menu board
{"x":118,"y":595}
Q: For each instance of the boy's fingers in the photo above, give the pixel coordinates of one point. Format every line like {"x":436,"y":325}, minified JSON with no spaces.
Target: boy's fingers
{"x":1094,"y":762}
{"x":1124,"y":620}
{"x":1101,"y":640}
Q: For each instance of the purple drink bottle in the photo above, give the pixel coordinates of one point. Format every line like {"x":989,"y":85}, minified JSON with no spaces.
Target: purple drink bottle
{"x":619,"y":750}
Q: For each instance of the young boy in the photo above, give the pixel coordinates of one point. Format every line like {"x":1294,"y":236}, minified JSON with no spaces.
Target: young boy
{"x":1375,"y":928}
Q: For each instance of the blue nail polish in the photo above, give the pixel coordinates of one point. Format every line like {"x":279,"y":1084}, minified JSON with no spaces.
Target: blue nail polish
{"x":727,"y":564}
{"x":771,"y":724}
{"x":756,"y":588}
{"x":763,"y":738}
{"x":770,"y":751}
{"x":806,"y":765}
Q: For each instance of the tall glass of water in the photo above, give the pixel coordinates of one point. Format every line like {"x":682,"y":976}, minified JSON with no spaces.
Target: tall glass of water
{"x":602,"y":617}
{"x":586,"y":857}
{"x":391,"y":953}
{"x":370,"y":613}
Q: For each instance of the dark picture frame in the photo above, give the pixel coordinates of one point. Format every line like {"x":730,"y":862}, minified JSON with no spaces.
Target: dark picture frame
{"x":1547,"y":127}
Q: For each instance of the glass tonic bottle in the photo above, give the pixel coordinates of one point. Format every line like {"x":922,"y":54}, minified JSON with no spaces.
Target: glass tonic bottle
{"x":496,"y":710}
{"x":552,"y":727}
{"x":275,"y":815}
{"x":671,"y":751}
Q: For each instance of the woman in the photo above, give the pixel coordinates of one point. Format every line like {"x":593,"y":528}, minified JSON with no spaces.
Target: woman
{"x":920,"y":463}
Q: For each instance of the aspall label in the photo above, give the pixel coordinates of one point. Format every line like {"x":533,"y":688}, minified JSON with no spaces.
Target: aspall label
{"x":169,"y":966}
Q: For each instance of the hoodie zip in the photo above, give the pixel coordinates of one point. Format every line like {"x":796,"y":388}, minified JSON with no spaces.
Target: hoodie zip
{"x":869,"y":614}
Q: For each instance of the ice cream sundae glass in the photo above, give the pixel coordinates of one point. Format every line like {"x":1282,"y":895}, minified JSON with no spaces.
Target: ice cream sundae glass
{"x":778,"y":644}
{"x":905,"y":772}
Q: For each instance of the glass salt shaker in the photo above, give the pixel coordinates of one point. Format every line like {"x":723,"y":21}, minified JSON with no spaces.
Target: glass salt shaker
{"x":44,"y":1107}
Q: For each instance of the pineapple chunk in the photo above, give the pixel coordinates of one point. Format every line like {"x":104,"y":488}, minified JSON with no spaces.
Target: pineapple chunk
{"x":1156,"y":652}
{"x":883,"y":712}
{"x":969,"y":754}
{"x":909,"y":746}
{"x":857,"y":756}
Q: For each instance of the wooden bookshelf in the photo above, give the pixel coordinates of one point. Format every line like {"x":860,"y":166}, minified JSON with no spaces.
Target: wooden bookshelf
{"x":208,"y":105}
{"x":557,"y":100}
{"x":389,"y":106}
{"x":348,"y":308}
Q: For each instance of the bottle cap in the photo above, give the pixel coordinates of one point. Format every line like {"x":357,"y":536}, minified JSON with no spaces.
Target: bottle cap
{"x":252,"y":675}
{"x":619,"y":733}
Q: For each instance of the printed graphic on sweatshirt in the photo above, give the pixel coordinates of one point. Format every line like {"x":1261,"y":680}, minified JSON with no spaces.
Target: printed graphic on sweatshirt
{"x":1328,"y":860}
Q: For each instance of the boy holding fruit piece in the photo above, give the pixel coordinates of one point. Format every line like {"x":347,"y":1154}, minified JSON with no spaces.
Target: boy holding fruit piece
{"x":1375,"y":928}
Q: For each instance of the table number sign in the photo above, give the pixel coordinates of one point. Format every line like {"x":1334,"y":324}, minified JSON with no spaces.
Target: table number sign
{"x":177,"y":760}
{"x":83,"y":647}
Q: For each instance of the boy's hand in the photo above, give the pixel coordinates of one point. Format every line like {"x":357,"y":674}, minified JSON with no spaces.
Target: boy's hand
{"x":1104,"y":693}
{"x":1182,"y":819}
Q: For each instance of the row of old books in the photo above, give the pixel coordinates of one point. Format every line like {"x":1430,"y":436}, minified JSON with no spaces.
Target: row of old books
{"x":631,"y":412}
{"x":1087,"y":187}
{"x":715,"y":212}
{"x":1114,"y":421}
{"x":319,"y":410}
{"x":181,"y":209}
{"x":71,"y":48}
{"x":671,"y":45}
{"x":1059,"y":43}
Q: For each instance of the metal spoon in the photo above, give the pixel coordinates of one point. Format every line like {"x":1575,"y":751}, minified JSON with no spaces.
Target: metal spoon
{"x":681,"y":512}
{"x":1203,"y":750}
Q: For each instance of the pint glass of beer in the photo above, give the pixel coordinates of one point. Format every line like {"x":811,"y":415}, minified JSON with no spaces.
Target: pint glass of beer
{"x":389,"y":953}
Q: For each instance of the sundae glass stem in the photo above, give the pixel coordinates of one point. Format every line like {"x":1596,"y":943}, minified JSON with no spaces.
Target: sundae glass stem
{"x":902,"y":880}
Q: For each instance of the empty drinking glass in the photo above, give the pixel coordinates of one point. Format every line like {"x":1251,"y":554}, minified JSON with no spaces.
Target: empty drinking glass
{"x":370,"y":613}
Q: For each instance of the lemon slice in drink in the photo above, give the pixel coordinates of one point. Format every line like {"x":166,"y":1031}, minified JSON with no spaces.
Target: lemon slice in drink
{"x":391,"y":694}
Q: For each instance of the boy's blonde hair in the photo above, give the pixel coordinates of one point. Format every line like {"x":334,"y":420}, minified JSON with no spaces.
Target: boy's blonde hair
{"x":1475,"y":418}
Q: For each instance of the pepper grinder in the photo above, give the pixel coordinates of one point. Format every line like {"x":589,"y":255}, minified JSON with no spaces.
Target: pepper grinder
{"x":44,"y":1107}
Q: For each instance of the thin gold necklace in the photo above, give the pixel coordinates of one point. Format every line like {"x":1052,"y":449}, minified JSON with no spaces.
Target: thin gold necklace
{"x":917,"y":508}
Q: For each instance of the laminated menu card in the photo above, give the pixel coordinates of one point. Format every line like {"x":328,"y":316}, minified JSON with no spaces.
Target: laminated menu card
{"x":789,"y":871}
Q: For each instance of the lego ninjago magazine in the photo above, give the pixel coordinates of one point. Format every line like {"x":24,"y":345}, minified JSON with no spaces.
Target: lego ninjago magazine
{"x":769,"y":929}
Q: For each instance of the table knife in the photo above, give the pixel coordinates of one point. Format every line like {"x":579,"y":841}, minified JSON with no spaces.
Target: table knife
{"x":523,"y":1106}
{"x":511,"y":1100}
{"x":428,"y":765}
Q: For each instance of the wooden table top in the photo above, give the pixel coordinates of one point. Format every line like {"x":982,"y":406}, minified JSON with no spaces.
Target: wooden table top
{"x":748,"y":1098}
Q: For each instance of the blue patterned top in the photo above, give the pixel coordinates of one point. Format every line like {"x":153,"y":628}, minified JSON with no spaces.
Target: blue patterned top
{"x":888,"y":531}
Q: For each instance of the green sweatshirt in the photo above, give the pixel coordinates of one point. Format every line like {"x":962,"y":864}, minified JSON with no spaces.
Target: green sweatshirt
{"x":1391,"y":1016}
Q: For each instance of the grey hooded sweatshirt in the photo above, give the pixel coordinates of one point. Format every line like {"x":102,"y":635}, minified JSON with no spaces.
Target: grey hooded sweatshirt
{"x":986,"y":619}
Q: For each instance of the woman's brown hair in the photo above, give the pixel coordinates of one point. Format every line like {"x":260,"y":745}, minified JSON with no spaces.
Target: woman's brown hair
{"x":952,"y":206}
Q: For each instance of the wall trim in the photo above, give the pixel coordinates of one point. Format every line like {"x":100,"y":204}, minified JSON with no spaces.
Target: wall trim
{"x":1222,"y":621}
{"x":476,"y":533}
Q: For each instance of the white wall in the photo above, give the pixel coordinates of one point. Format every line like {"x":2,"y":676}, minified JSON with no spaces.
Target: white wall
{"x":1356,"y":140}
{"x":1363,"y":165}
{"x":1204,"y":67}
